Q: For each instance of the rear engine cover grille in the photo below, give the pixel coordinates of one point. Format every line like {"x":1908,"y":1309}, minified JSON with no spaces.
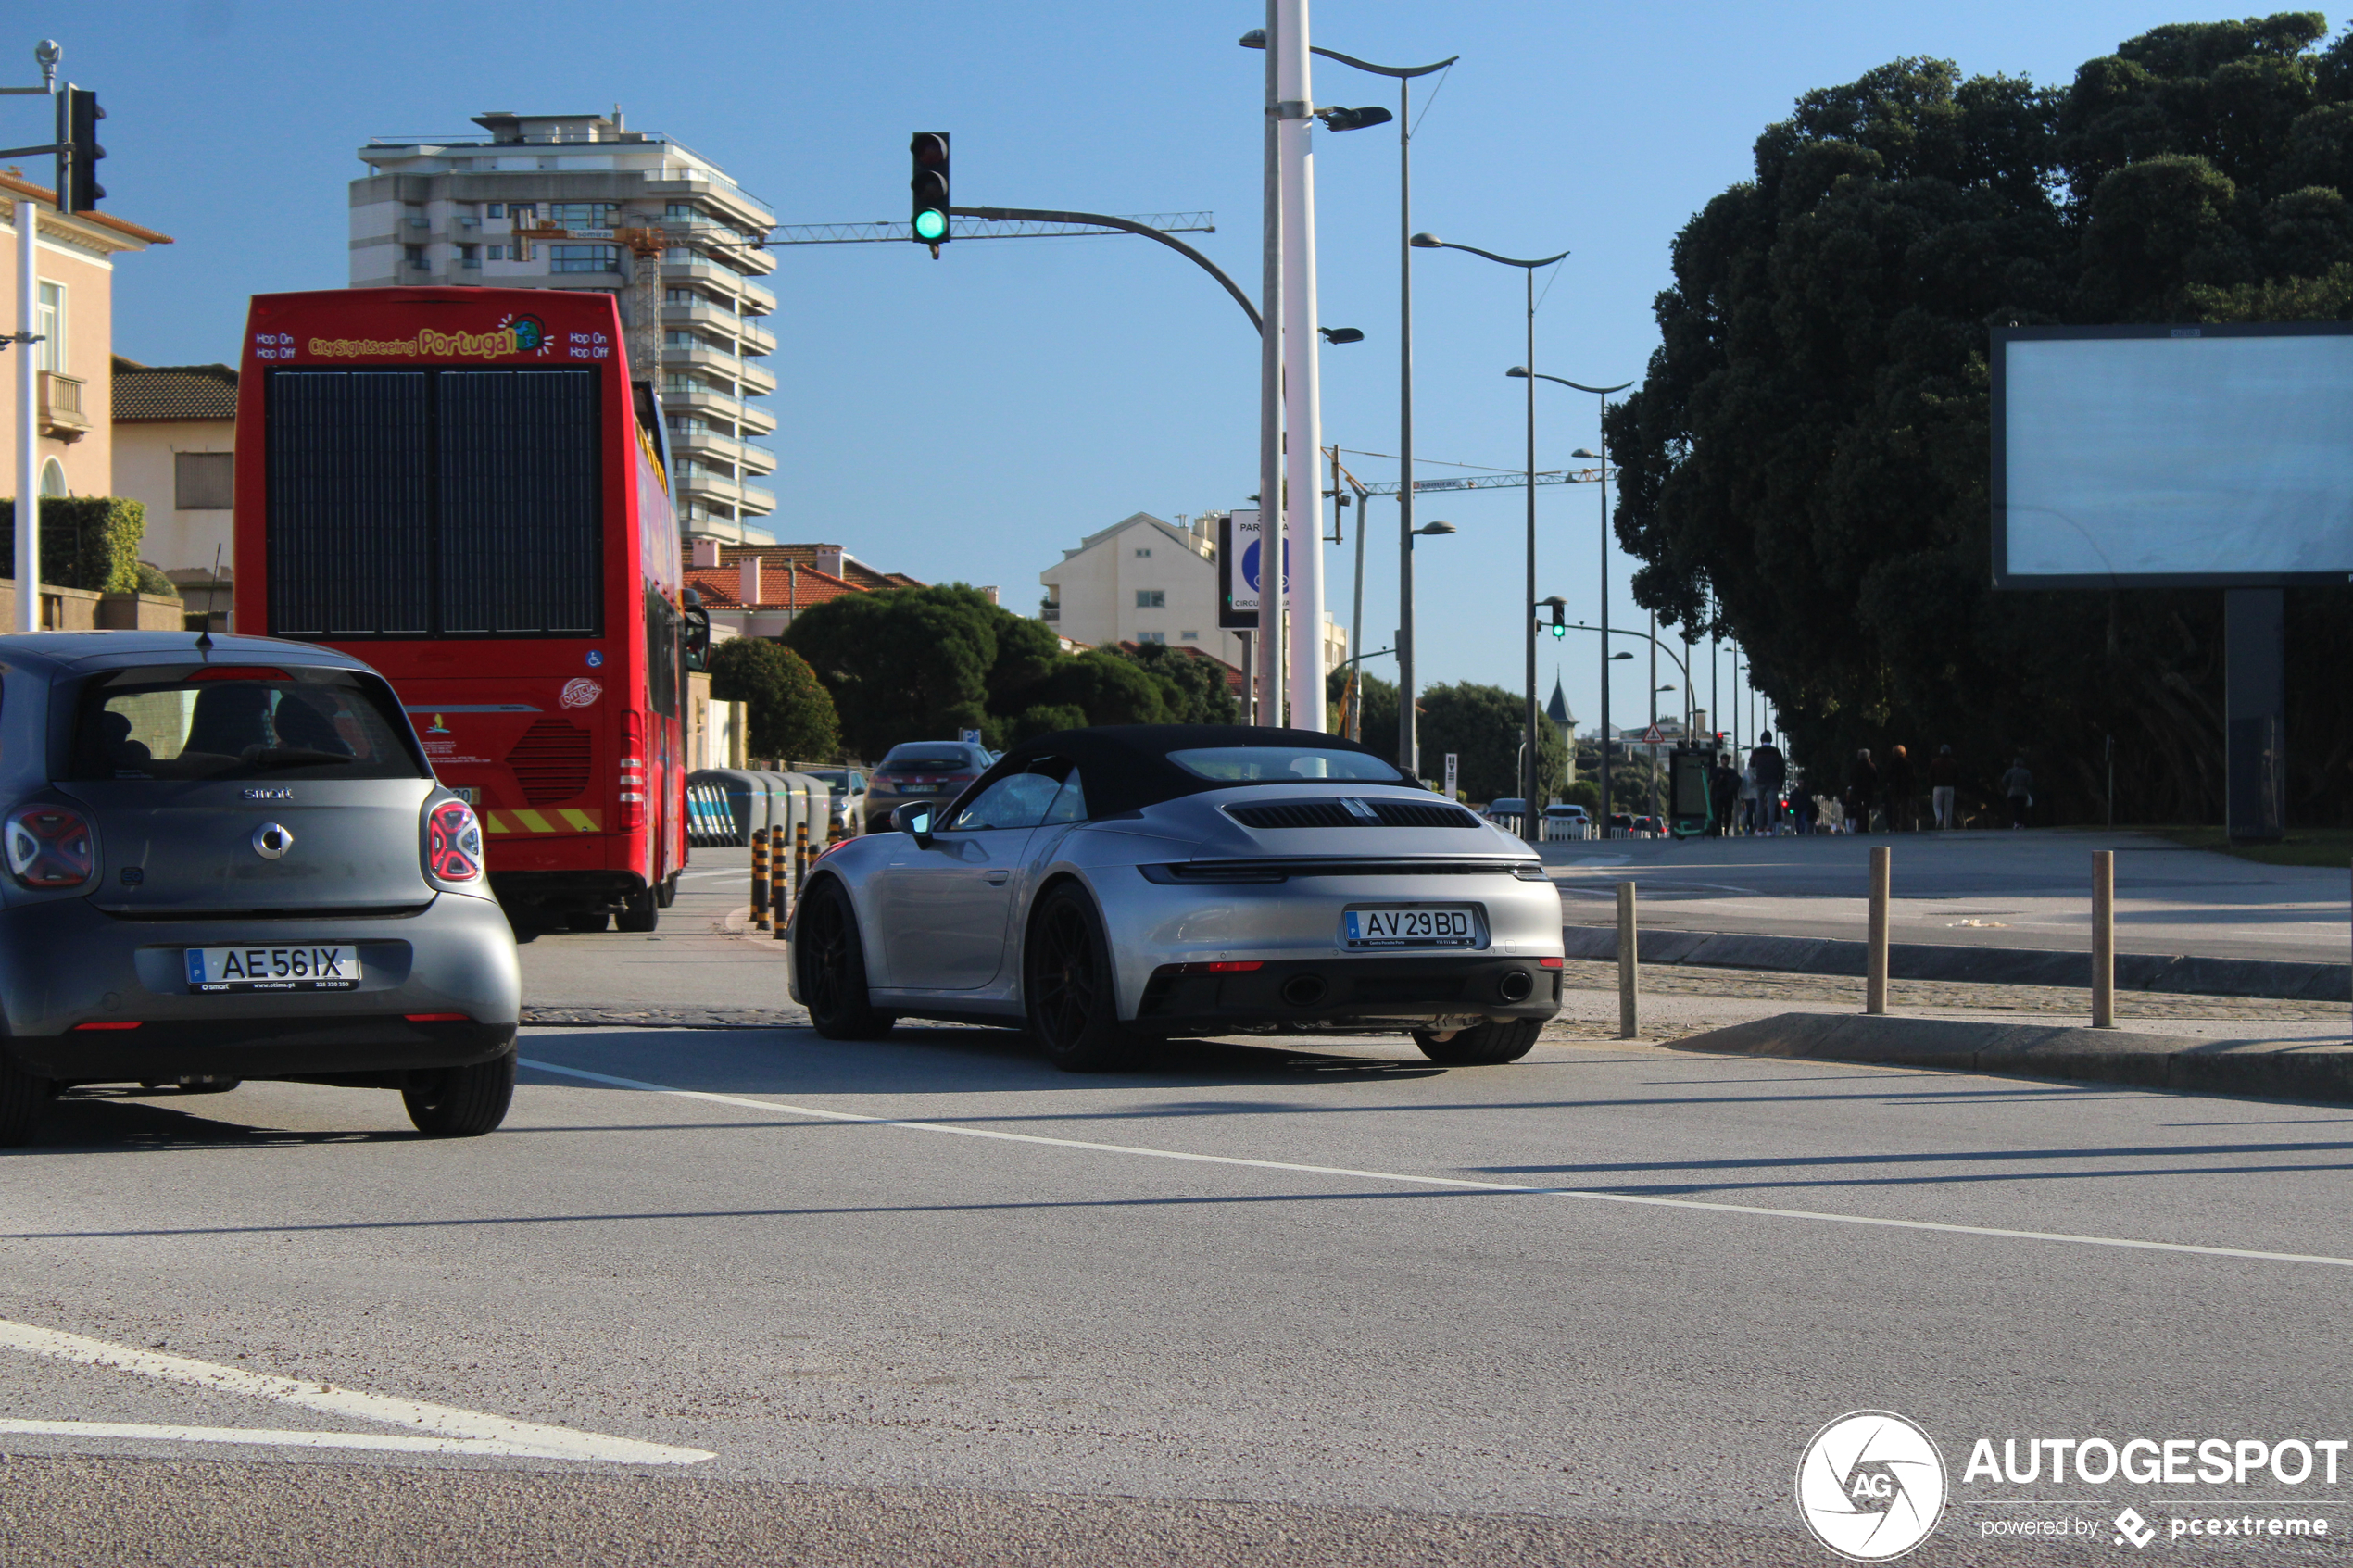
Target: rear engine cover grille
{"x":550,"y":762}
{"x":1338,"y":814}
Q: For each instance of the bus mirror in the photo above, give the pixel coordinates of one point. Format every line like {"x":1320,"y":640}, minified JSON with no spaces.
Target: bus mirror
{"x":697,"y":636}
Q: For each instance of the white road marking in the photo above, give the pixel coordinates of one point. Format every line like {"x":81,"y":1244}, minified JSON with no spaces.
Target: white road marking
{"x":443,"y":1422}
{"x":1452,"y":1182}
{"x":732,"y":871}
{"x":263,"y":1436}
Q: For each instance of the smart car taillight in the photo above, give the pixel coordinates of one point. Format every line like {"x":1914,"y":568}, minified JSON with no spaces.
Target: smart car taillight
{"x":50,"y":847}
{"x":453,"y":842}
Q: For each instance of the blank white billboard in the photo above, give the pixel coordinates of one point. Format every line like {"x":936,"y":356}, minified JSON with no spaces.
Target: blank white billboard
{"x":2213,"y":455}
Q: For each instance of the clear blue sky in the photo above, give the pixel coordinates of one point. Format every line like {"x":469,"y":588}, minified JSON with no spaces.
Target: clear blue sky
{"x":969,"y":419}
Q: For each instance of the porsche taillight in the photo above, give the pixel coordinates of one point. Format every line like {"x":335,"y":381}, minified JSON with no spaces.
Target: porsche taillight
{"x":633,"y":772}
{"x":453,"y":842}
{"x":49,"y":846}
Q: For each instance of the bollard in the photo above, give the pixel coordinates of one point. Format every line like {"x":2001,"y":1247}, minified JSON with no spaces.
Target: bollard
{"x":760,"y":879}
{"x":2103,"y":938}
{"x":1875,"y":983}
{"x":1628,"y":994}
{"x":799,"y":870}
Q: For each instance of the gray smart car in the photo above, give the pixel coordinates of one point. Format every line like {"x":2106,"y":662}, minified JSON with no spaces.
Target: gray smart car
{"x":226,"y":857}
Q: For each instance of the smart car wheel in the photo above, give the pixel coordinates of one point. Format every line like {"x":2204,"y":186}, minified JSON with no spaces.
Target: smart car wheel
{"x":833,"y":968}
{"x":461,"y":1102}
{"x":24,"y":1101}
{"x":1067,"y":982}
{"x":1483,"y":1044}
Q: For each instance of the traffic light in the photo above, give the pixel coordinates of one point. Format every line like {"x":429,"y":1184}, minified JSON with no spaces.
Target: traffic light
{"x":1559,"y":607}
{"x":929,"y":184}
{"x":80,"y":191}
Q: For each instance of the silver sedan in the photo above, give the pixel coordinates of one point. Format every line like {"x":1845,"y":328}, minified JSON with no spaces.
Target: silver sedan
{"x":1109,"y":886}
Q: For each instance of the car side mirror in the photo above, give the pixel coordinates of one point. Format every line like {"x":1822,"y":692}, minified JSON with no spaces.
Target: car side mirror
{"x":913,"y":819}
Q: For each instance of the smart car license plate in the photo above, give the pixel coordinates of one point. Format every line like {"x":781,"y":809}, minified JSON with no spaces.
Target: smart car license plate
{"x":1402,"y":926}
{"x":273,"y":969}
{"x":466,"y":793}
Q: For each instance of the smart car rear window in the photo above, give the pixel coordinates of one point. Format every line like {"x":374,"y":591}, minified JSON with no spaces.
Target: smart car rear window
{"x":1283,"y":764}
{"x":240,"y":722}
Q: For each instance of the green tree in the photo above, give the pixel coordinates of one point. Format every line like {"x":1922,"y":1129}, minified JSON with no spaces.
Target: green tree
{"x":790,"y":712}
{"x":1106,"y":687}
{"x":1484,"y":726}
{"x":909,"y":663}
{"x":1193,"y":690}
{"x":1805,"y":466}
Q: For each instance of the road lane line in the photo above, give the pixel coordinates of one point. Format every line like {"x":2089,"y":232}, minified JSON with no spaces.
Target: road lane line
{"x":262,"y":1436}
{"x":1752,"y":1209}
{"x":441,"y":1421}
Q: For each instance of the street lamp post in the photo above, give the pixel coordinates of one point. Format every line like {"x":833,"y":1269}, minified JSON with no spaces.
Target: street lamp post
{"x":1602,"y":392}
{"x":1408,"y":737}
{"x":1533,"y":830}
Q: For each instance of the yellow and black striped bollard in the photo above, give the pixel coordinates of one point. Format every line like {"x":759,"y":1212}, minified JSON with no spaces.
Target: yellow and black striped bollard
{"x":760,"y":879}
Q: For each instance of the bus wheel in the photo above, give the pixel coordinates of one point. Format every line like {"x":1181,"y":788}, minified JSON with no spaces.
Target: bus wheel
{"x":669,"y":890}
{"x":640,"y":911}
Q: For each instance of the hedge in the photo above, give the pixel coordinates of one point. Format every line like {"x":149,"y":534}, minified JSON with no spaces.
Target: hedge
{"x":89,"y":542}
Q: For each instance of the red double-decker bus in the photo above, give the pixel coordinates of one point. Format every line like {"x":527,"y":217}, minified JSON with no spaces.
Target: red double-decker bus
{"x":464,"y":488}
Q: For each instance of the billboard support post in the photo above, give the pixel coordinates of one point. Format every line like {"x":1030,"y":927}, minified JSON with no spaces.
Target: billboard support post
{"x":2255,"y":713}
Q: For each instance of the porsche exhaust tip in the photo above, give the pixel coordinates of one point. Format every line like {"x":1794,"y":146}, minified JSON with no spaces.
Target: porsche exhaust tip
{"x":1305,"y":990}
{"x":1514,"y":986}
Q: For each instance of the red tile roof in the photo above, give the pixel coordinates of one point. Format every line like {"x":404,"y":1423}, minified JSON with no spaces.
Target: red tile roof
{"x":780,"y":587}
{"x":24,"y":187}
{"x":853,"y":572}
{"x":173,"y":391}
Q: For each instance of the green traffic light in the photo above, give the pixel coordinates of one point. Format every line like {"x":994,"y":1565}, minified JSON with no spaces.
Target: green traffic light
{"x":1560,"y":631}
{"x":931,"y":224}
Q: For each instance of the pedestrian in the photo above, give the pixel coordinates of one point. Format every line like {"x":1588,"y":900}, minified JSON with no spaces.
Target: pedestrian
{"x":1808,"y":810}
{"x":1862,"y":791}
{"x":1772,"y":772}
{"x":1748,"y":806}
{"x":1724,"y":789}
{"x":1897,"y":780}
{"x":1943,"y":778}
{"x":2019,"y":784}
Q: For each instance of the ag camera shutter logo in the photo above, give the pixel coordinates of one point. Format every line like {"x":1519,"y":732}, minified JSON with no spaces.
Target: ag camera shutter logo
{"x":1871,"y":1485}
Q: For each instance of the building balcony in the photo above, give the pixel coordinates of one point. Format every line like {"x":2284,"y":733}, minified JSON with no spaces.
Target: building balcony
{"x":695,"y":184}
{"x":708,"y":488}
{"x":707,"y":444}
{"x":63,"y":411}
{"x":695,"y":397}
{"x":755,"y":420}
{"x":1050,"y":610}
{"x":710,"y":362}
{"x":700,"y":314}
{"x":757,"y":301}
{"x":755,"y":342}
{"x":758,"y":462}
{"x":756,"y":501}
{"x":757,"y":382}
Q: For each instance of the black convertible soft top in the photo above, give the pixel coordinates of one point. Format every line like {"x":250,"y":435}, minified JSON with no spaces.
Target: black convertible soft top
{"x":1127,"y":766}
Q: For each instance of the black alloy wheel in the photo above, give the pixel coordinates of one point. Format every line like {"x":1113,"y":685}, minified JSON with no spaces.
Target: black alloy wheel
{"x":832,"y":967}
{"x":461,"y":1102}
{"x":1069,"y":988}
{"x":1483,"y":1044}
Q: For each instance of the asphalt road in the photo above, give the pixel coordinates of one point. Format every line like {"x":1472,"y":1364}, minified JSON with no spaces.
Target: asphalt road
{"x":1994,"y":889}
{"x":930,"y":1301}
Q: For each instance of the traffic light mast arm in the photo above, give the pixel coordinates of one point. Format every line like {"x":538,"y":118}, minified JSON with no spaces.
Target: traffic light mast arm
{"x":1031,"y":215}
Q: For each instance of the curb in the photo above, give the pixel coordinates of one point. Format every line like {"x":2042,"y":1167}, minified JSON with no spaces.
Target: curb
{"x":2182,"y":976}
{"x":2311,"y":1070}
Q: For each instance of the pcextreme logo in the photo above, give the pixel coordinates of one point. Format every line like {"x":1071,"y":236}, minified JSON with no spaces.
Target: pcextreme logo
{"x":1871,"y":1485}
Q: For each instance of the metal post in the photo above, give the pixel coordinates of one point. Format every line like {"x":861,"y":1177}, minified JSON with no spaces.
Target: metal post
{"x":1302,"y":393}
{"x":1250,"y":673}
{"x":1628,"y":990}
{"x":1604,"y":488}
{"x":1653,"y":682}
{"x":2103,"y":938}
{"x":1875,"y":981}
{"x":1408,"y":733}
{"x":799,"y":869}
{"x":28,"y":424}
{"x":1533,"y":826}
{"x":1357,"y":613}
{"x":1269,"y":695}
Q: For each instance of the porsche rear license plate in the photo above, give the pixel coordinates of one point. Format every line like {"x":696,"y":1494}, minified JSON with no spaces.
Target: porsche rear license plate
{"x":1378,"y":925}
{"x":273,"y":969}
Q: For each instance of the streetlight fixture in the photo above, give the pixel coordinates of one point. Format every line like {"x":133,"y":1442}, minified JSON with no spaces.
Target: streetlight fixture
{"x":1340,"y":334}
{"x":1527,"y":270}
{"x":1408,"y":736}
{"x":1602,"y":392}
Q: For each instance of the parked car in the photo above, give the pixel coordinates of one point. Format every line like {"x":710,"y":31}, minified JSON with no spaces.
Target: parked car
{"x":227,"y":858}
{"x":849,"y":810}
{"x":1510,"y":806}
{"x":1105,"y":887}
{"x":1567,"y":821}
{"x":936,"y":771}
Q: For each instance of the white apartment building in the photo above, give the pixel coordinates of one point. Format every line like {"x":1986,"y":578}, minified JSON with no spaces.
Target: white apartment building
{"x":535,"y":203}
{"x":1146,"y":581}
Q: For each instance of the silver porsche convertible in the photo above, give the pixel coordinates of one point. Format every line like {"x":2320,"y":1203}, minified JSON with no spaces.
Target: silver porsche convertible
{"x":1106,"y":887}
